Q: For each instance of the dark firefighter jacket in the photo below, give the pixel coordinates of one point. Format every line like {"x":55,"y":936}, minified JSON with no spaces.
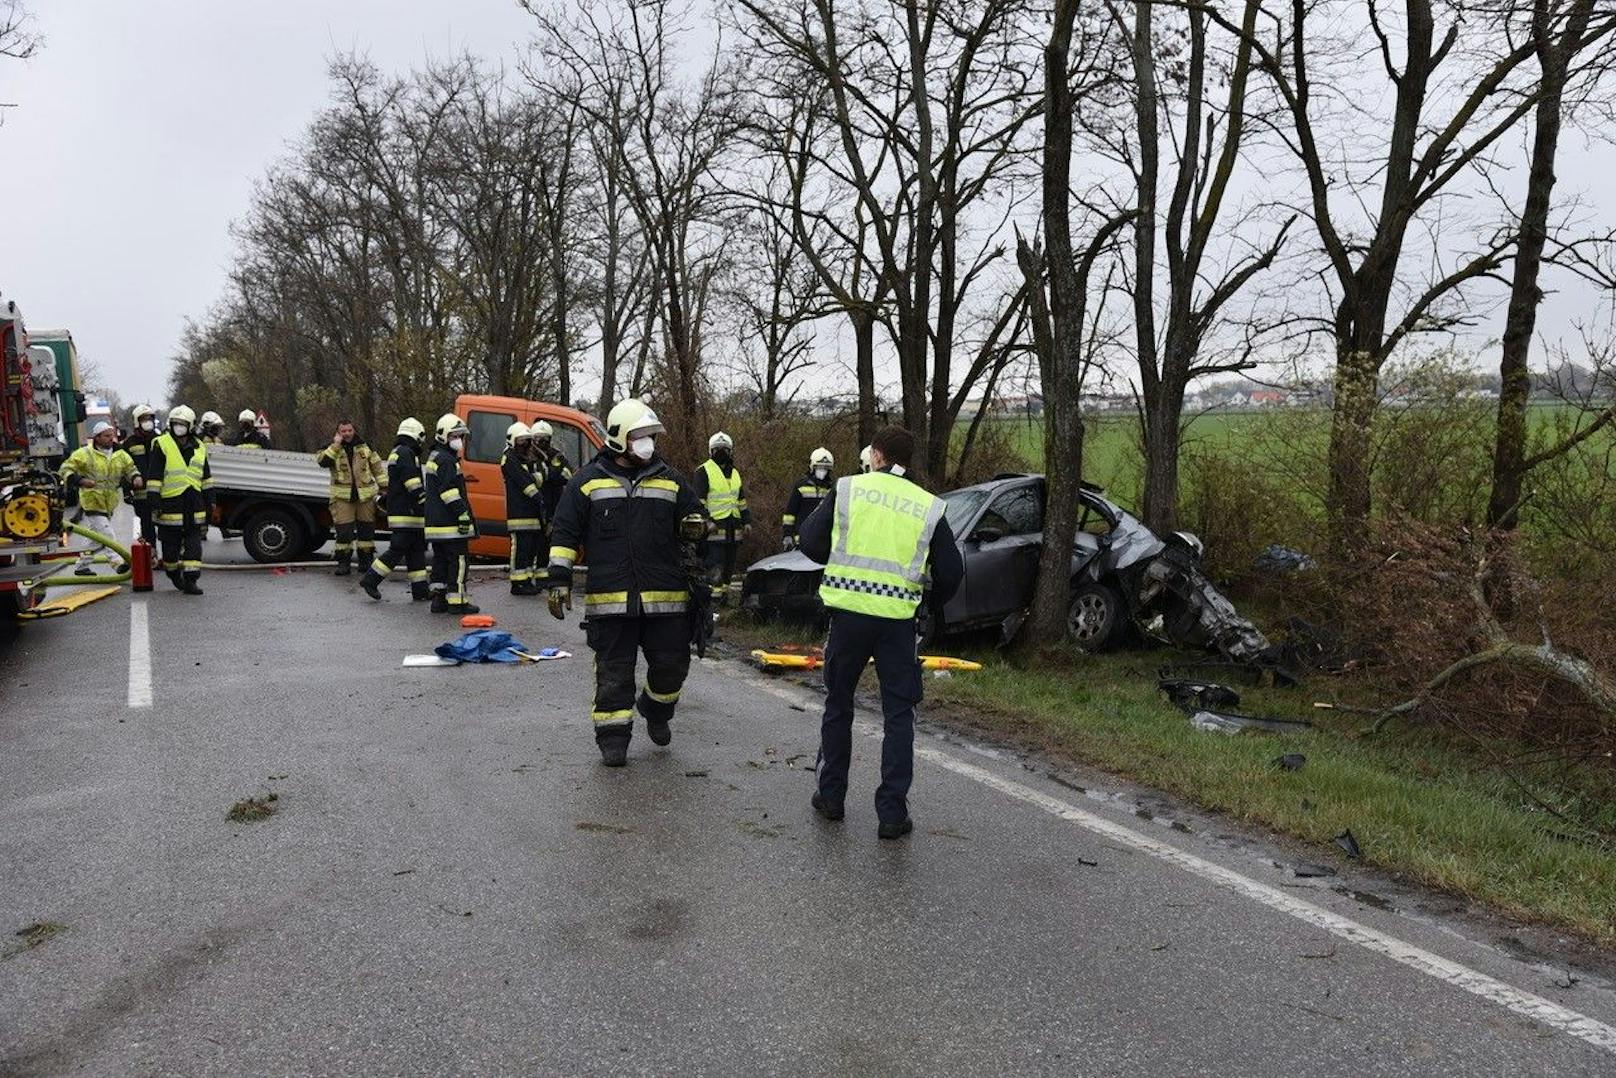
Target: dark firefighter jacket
{"x":629,"y":521}
{"x":406,"y":491}
{"x":446,"y":502}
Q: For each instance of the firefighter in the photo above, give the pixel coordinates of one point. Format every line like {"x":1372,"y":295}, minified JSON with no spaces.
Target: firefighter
{"x":212,"y":428}
{"x":718,"y":485}
{"x":101,"y":469}
{"x":879,"y":537}
{"x":405,"y":504}
{"x":524,"y":506}
{"x":806,"y":494}
{"x":183,"y":498}
{"x":357,"y":475}
{"x":449,"y":524}
{"x":557,"y":474}
{"x":138,"y":445}
{"x":248,"y":436}
{"x":625,"y":507}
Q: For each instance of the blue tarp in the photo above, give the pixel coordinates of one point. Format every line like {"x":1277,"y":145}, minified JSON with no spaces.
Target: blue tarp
{"x":483,"y":646}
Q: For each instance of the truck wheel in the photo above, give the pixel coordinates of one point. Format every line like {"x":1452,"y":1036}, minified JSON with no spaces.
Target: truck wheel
{"x":273,"y":535}
{"x":1094,"y":619}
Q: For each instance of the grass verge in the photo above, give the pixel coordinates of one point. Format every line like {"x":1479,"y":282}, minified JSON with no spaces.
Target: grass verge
{"x":1421,"y":806}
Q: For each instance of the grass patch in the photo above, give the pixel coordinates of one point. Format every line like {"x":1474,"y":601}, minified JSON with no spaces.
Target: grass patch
{"x":1419,"y":806}
{"x":35,"y":935}
{"x":253,"y":809}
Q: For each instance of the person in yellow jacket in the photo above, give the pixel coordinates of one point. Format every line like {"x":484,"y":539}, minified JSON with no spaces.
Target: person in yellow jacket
{"x":184,"y":499}
{"x":358,"y":475}
{"x":718,"y":485}
{"x":100,"y":469}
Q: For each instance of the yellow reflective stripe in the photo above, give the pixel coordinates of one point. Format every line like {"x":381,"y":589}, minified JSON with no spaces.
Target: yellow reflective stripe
{"x":659,"y":494}
{"x":661,"y":484}
{"x":417,"y":575}
{"x":622,"y":715}
{"x":664,"y":596}
{"x":788,"y":518}
{"x":406,"y":522}
{"x":606,"y":597}
{"x":531,"y":490}
{"x":597,"y":484}
{"x":431,"y":467}
{"x":523,"y":524}
{"x":412,"y":483}
{"x":663,"y":697}
{"x":563,"y":555}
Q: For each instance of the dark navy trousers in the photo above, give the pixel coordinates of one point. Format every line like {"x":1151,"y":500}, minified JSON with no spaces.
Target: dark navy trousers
{"x":854,"y":640}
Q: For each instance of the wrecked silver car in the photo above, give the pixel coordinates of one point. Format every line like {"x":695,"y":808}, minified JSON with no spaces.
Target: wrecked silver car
{"x":1125,"y":579}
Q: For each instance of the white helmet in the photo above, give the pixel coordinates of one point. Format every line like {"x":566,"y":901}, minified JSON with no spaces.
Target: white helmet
{"x":541,"y":429}
{"x":142,"y":411}
{"x":247,"y":416}
{"x":100,"y":426}
{"x":212,"y":419}
{"x":866,"y":462}
{"x":181,"y":414}
{"x":412,"y":428}
{"x":448,"y":426}
{"x":822,"y":456}
{"x":720,"y":441}
{"x":628,"y":418}
{"x":515,"y":431}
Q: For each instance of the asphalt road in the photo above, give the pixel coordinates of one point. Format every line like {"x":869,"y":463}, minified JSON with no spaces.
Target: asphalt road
{"x":453,"y":884}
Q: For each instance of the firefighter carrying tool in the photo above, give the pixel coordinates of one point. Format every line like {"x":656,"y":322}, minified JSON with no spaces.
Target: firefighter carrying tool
{"x":626,"y":506}
{"x":449,"y":524}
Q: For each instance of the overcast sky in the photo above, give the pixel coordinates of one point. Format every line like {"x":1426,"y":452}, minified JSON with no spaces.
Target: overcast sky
{"x":139,"y":130}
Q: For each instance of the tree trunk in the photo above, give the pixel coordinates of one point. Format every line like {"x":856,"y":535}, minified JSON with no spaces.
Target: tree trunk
{"x":864,"y":336}
{"x":1161,"y":457}
{"x":1357,"y":379}
{"x":1509,"y":448}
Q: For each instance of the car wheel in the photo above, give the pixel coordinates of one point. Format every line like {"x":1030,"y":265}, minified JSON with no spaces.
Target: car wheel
{"x":273,"y":535}
{"x":1094,"y":618}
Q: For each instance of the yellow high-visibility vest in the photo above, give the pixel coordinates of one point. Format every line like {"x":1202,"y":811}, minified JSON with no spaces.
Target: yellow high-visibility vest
{"x":723,"y":492}
{"x":880,"y":536}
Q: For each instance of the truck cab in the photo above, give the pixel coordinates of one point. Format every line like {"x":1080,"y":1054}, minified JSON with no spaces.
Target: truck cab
{"x":577,"y":435}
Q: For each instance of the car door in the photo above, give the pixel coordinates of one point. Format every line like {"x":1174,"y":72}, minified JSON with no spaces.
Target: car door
{"x":1001,"y":556}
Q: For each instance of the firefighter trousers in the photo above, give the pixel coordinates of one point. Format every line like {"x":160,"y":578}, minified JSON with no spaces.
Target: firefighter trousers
{"x":182,"y":550}
{"x":355,"y":525}
{"x":406,"y":550}
{"x":449,"y":569}
{"x":525,"y":564}
{"x":616,"y":642}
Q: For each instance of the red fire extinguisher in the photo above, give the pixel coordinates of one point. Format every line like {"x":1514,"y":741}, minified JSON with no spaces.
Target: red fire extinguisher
{"x":140,"y":557}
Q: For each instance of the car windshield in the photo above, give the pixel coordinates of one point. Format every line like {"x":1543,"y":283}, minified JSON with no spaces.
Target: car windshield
{"x":961,"y":507}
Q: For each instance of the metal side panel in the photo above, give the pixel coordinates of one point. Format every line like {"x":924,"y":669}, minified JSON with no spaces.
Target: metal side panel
{"x":268,"y":471}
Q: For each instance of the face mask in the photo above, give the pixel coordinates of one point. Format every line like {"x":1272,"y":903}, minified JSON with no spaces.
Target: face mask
{"x":821,"y":472}
{"x":146,"y":424}
{"x":642,"y":448}
{"x":180,"y":429}
{"x":457,"y":444}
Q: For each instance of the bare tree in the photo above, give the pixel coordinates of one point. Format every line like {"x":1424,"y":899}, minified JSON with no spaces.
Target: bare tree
{"x":776,"y":293}
{"x":1560,"y":32}
{"x":18,"y":38}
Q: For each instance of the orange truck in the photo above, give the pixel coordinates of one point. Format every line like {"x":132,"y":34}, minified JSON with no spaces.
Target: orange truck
{"x":278,"y":499}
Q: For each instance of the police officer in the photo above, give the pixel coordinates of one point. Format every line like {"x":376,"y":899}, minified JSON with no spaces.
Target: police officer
{"x":357,"y":475}
{"x":625,"y":506}
{"x":137,"y":443}
{"x":449,"y":524}
{"x":524,"y":506}
{"x":183,"y":498}
{"x":878,"y":535}
{"x":806,"y":494}
{"x":248,"y":436}
{"x":405,"y":506}
{"x":557,"y":474}
{"x":718,"y":485}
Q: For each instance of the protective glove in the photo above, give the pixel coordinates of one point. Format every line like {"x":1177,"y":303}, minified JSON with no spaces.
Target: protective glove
{"x":558,"y":597}
{"x":463,"y":526}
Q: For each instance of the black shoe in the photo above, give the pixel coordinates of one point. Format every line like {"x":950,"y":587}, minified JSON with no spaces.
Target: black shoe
{"x":367,"y":584}
{"x":174,"y":579}
{"x":440,"y":605}
{"x":613,"y":753}
{"x":830,"y":810}
{"x":464,"y":608}
{"x":659,"y":731}
{"x":420,"y":596}
{"x":895,"y":830}
{"x":342,"y":569}
{"x":191,"y":587}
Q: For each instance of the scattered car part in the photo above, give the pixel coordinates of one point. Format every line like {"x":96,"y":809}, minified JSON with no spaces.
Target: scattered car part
{"x":1228,"y":722}
{"x":1282,"y":559}
{"x":1291,"y":761}
{"x":1307,"y":870}
{"x":1350,"y":844}
{"x":1195,"y":696}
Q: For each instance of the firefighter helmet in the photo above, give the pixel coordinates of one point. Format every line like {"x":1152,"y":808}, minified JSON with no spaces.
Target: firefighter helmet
{"x":541,"y":429}
{"x":247,"y":415}
{"x":212,"y":419}
{"x":821,"y":456}
{"x":448,"y":426}
{"x":720,"y":441}
{"x":628,"y":418}
{"x":181,"y":414}
{"x":142,"y":411}
{"x":866,"y":462}
{"x":516,"y":432}
{"x":412,"y":428}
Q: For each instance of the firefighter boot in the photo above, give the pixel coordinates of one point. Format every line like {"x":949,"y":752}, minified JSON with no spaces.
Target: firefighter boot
{"x":440,"y":603}
{"x":343,"y":568}
{"x":369,"y":584}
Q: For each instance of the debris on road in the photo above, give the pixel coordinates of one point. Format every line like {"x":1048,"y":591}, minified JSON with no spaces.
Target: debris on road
{"x":1228,"y":722}
{"x":34,"y":935}
{"x":429,"y":660}
{"x":484,"y":646}
{"x":1198,"y":695}
{"x":1307,"y":870}
{"x":253,"y":809}
{"x":1350,"y":844}
{"x":478,"y":621}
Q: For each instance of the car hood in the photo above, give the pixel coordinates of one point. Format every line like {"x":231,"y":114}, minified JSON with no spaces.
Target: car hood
{"x":791,"y":561}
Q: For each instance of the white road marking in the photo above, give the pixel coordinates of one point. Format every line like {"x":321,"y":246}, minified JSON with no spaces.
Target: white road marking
{"x":1522,"y":1002}
{"x":140,"y":692}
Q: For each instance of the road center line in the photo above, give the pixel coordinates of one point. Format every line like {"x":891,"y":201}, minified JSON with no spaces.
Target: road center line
{"x":1520,"y":1001}
{"x":140,"y":691}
